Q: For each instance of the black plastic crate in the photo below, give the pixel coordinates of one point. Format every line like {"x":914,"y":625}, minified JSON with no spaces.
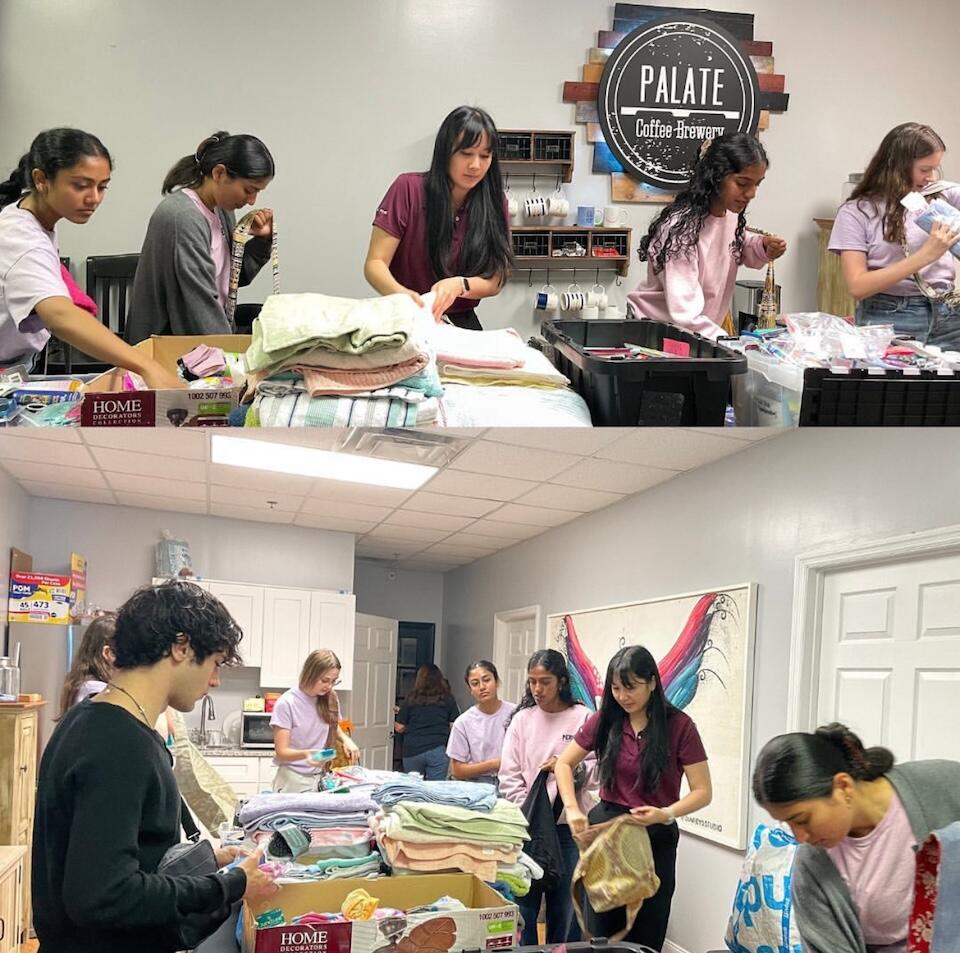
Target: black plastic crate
{"x":888,"y":398}
{"x":662,"y":392}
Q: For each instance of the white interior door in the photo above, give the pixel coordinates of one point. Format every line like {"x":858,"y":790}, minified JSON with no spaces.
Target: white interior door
{"x":372,"y":698}
{"x":890,"y":655}
{"x":517,"y":637}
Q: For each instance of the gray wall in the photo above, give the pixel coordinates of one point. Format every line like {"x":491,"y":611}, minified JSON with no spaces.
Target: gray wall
{"x":741,"y":519}
{"x":349,"y":94}
{"x":14,"y":522}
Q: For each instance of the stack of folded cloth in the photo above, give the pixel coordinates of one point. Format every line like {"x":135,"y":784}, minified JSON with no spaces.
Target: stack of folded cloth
{"x":433,"y":826}
{"x":491,"y":357}
{"x":323,"y":836}
{"x":318,"y":361}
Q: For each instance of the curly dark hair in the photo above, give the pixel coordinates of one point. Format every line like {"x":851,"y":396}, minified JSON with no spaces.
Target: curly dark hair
{"x":554,"y":664}
{"x":154,"y":618}
{"x":677,"y":228}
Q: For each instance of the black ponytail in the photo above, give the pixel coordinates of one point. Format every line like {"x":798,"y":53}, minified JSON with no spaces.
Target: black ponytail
{"x":800,"y":766}
{"x":50,"y":152}
{"x":244,"y":157}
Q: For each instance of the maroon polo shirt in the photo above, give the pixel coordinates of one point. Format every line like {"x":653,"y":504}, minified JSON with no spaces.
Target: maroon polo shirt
{"x":685,"y":748}
{"x":403,"y":214}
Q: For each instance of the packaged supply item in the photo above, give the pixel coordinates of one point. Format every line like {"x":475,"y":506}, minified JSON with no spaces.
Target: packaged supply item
{"x":173,"y":556}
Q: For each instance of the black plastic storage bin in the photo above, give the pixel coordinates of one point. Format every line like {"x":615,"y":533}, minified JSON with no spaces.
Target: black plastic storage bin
{"x":662,"y":392}
{"x":866,"y":398}
{"x":596,"y":945}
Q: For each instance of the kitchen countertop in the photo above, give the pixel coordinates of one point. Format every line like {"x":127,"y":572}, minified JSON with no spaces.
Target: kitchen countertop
{"x":233,"y":752}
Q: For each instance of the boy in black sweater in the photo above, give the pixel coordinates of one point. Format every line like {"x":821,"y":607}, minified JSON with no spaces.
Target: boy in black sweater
{"x":108,"y":807}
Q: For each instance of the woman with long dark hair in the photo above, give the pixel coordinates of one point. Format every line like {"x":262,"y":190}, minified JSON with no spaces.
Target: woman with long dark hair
{"x":900,"y":274}
{"x":858,"y":817}
{"x":540,"y":728}
{"x":695,"y":246}
{"x":476,"y":738}
{"x":182,"y":284}
{"x":446,"y":230}
{"x":645,"y":747}
{"x":64,"y":175}
{"x":92,"y":665}
{"x":424,"y":719}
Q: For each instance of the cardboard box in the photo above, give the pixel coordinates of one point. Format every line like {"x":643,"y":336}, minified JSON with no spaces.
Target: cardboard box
{"x":107,"y":404}
{"x":489,"y":923}
{"x":39,"y":597}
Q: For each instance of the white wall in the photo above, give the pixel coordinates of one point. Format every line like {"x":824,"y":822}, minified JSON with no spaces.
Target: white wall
{"x":741,"y":519}
{"x":408,"y":597}
{"x":14,"y":522}
{"x":119,"y":545}
{"x":349,"y":94}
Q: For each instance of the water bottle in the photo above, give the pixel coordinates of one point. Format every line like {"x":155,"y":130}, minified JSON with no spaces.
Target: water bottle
{"x":9,"y":680}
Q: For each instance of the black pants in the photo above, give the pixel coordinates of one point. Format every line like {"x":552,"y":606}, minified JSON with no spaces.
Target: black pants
{"x":465,"y":319}
{"x":650,"y":927}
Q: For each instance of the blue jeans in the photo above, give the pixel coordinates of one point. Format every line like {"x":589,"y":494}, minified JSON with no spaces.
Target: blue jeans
{"x":930,"y":322}
{"x":433,"y":764}
{"x":562,"y":926}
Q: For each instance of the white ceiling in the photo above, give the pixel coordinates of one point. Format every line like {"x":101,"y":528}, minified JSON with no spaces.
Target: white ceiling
{"x":502,"y":486}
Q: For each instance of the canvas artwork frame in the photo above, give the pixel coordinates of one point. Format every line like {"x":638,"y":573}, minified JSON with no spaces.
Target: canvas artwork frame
{"x":704,"y":645}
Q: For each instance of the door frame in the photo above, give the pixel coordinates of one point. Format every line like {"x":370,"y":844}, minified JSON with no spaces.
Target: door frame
{"x":500,"y":622}
{"x":810,"y":570}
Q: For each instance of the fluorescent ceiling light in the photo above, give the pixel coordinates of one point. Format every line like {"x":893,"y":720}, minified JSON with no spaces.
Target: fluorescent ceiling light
{"x":322,"y":464}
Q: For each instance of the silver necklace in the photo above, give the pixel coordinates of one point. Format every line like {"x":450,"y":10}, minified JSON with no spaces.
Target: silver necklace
{"x":120,"y":688}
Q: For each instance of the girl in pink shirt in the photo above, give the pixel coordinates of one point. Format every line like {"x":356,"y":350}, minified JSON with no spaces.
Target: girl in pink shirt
{"x":695,"y":246}
{"x":543,"y":724}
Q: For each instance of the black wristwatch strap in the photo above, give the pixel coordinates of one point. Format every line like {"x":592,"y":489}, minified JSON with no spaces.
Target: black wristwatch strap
{"x":466,"y":285}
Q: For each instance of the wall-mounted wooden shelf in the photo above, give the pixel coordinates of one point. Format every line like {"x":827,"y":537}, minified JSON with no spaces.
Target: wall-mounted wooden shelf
{"x":532,"y":151}
{"x":534,"y":246}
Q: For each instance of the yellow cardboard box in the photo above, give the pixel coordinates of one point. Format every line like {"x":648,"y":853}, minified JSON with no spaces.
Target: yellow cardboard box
{"x":488,"y":923}
{"x":107,"y":404}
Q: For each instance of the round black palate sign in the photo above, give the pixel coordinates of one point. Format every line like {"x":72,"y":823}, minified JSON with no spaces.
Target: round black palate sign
{"x":668,"y":86}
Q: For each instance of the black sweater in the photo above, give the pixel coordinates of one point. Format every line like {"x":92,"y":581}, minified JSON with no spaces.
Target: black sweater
{"x":108,"y":809}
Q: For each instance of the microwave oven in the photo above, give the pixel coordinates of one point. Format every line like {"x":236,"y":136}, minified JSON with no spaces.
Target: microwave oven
{"x":255,"y":730}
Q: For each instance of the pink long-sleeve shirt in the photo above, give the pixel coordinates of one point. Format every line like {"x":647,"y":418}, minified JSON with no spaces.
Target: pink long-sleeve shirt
{"x":695,"y":290}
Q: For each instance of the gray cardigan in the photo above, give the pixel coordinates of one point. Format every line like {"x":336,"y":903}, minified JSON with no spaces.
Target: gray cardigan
{"x":826,"y":916}
{"x":175,"y":291}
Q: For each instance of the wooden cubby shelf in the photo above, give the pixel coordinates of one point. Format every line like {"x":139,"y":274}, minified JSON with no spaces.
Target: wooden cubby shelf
{"x":532,"y":151}
{"x":534,"y":247}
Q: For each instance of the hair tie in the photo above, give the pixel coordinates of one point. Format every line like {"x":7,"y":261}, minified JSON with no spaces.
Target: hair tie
{"x":202,"y":148}
{"x":707,"y":143}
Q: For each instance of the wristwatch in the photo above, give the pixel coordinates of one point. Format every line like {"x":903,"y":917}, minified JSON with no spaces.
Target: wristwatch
{"x":466,"y":285}
{"x":670,"y":818}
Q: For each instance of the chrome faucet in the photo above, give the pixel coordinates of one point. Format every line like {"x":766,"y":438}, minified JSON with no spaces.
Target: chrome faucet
{"x":207,"y":713}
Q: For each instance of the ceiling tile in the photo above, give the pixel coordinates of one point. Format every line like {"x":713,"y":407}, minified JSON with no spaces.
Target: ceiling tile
{"x":44,"y":473}
{"x":483,"y":542}
{"x":53,"y":434}
{"x":568,"y":498}
{"x":752,"y":434}
{"x":416,"y":564}
{"x":377,"y":549}
{"x":260,"y":515}
{"x":186,"y":444}
{"x":357,"y":527}
{"x":248,"y":479}
{"x":149,"y":464}
{"x":155,"y":486}
{"x":443,"y":549}
{"x":486,"y":487}
{"x":406,"y":533}
{"x":344,"y":510}
{"x":503,"y":460}
{"x":449,"y":505}
{"x":585,"y":441}
{"x":51,"y":452}
{"x":670,"y":449}
{"x":515,"y":531}
{"x":255,"y":498}
{"x":82,"y":494}
{"x":534,"y":515}
{"x":160,"y":502}
{"x":358,"y":493}
{"x":612,"y":476}
{"x":428,"y":520}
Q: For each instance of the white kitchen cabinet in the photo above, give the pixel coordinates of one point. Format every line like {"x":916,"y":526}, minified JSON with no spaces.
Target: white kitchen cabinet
{"x":286,"y":643}
{"x":247,"y":776}
{"x":245,"y":603}
{"x":332,"y":616}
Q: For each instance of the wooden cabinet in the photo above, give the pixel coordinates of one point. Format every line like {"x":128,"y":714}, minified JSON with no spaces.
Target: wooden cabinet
{"x":18,"y":784}
{"x":12,"y":921}
{"x":832,"y":294}
{"x":245,"y":604}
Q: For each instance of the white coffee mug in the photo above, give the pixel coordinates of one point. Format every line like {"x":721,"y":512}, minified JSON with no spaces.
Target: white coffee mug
{"x":558,"y":205}
{"x":513,"y":206}
{"x":614,"y":217}
{"x":613,"y":313}
{"x":590,"y":313}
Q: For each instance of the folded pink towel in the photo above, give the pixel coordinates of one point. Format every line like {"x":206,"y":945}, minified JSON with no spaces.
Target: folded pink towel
{"x":501,"y":348}
{"x":77,"y":295}
{"x":320,"y":381}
